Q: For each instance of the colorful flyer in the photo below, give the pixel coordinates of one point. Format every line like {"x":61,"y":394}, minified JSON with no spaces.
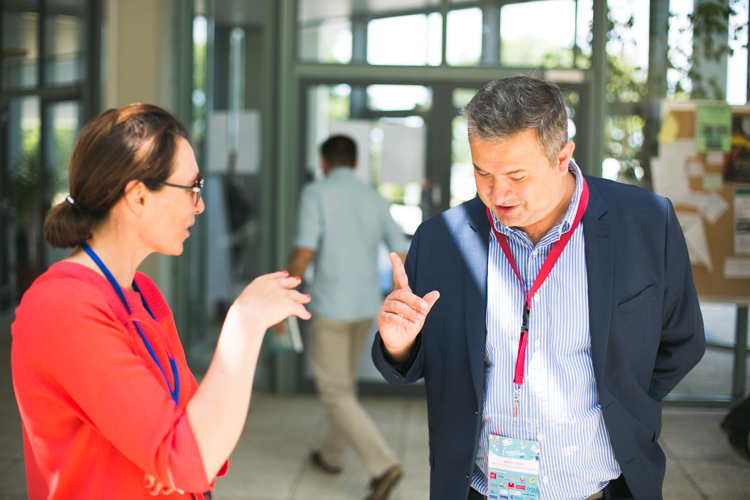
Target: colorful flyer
{"x":512,"y":469}
{"x":713,"y":129}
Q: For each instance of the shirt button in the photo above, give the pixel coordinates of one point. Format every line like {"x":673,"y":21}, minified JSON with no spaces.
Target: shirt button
{"x":536,"y":298}
{"x":534,"y":253}
{"x":537,"y":343}
{"x":545,"y":479}
{"x":539,"y":437}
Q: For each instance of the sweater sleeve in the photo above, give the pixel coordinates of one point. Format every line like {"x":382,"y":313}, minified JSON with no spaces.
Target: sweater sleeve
{"x":74,"y":349}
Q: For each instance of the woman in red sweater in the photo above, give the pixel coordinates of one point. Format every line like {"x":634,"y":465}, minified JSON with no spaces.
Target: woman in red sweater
{"x":108,"y":404}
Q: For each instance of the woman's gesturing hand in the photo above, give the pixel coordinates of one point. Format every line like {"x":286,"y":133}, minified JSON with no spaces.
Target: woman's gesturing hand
{"x":402,"y":316}
{"x":270,"y":299}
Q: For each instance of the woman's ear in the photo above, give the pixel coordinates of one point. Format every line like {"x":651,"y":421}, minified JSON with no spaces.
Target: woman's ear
{"x":135,"y":195}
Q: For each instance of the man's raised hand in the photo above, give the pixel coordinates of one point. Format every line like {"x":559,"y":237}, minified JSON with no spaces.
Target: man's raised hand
{"x":402,"y":316}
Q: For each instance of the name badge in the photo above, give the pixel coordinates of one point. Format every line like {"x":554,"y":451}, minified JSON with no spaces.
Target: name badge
{"x":512,"y":468}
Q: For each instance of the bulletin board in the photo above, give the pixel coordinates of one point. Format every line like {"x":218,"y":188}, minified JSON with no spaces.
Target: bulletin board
{"x":711,"y":197}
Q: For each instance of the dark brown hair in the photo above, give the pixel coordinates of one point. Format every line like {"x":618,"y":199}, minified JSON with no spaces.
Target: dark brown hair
{"x":339,"y":151}
{"x":138,"y":141}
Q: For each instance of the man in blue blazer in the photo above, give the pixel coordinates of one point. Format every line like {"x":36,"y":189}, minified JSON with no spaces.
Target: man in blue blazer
{"x":566,"y":313}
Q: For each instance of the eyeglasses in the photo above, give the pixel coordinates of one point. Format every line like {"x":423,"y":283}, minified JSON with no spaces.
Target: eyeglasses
{"x":196,"y":189}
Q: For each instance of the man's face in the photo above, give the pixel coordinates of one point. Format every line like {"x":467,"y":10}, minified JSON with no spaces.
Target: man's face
{"x":516,"y":181}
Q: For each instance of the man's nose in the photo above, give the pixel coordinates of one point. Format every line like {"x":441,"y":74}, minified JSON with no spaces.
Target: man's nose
{"x":500,"y":191}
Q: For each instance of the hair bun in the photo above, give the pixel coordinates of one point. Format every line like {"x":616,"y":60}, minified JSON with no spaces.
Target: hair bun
{"x":65,"y":226}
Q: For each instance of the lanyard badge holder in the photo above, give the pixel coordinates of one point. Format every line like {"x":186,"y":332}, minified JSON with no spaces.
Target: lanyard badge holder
{"x":174,"y":393}
{"x":513,"y":469}
{"x":513,"y":463}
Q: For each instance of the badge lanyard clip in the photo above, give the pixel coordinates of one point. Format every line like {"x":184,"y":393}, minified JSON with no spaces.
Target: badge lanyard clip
{"x":544,"y":272}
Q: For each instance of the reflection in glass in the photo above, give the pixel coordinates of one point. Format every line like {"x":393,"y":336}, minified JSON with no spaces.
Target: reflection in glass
{"x":20,"y":46}
{"x":464,"y":46}
{"x":64,"y":42}
{"x":538,"y":33}
{"x":414,"y":40}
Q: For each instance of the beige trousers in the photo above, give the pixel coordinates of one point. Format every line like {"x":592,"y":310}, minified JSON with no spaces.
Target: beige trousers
{"x":335,"y":348}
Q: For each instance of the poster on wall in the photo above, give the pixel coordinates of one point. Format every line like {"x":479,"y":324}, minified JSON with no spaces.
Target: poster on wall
{"x":737,"y":166}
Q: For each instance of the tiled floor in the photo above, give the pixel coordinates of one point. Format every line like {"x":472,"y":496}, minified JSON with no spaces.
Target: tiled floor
{"x":271,"y":460}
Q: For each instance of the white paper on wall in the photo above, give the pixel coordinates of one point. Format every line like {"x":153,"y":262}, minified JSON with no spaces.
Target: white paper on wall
{"x":735,"y":268}
{"x":403,"y":158}
{"x":684,"y":148}
{"x":359,"y":131}
{"x":712,"y":206}
{"x":669,"y":178}
{"x":248,"y":143}
{"x":695,"y":237}
{"x":217,"y":143}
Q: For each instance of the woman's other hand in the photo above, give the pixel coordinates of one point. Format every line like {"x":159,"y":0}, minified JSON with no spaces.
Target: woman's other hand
{"x":270,"y":299}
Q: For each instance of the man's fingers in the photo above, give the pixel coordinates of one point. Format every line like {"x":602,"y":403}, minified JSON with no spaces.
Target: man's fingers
{"x":396,"y":307}
{"x":409,"y":299}
{"x":391,"y":319}
{"x":431,"y":298}
{"x":400,"y":280}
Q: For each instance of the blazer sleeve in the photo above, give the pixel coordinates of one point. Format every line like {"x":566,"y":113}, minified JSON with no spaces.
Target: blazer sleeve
{"x":683,"y":339}
{"x":413,"y":370}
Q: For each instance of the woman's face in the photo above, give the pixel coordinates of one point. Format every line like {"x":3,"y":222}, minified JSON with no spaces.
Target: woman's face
{"x":172,"y":210}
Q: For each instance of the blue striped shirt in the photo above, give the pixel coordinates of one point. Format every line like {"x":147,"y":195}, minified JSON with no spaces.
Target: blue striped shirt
{"x":559,"y":404}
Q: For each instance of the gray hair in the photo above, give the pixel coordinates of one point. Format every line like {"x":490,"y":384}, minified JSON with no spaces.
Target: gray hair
{"x":503,"y":108}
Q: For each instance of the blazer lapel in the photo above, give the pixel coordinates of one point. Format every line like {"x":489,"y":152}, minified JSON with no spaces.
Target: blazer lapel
{"x":474,"y":248}
{"x":598,"y":236}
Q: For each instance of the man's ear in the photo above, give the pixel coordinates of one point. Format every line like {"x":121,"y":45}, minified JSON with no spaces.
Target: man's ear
{"x":563,"y":159}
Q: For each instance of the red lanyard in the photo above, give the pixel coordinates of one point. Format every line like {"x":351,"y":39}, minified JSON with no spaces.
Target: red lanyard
{"x":546,"y":269}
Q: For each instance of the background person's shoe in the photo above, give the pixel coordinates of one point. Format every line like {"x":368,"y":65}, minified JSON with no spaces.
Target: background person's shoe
{"x":381,"y":487}
{"x":317,"y":460}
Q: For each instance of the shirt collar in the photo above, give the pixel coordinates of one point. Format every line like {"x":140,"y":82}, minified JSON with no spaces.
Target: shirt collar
{"x":344,"y":170}
{"x":566,"y":223}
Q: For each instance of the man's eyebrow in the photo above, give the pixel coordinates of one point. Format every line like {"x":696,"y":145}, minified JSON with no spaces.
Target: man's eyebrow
{"x":513,"y":172}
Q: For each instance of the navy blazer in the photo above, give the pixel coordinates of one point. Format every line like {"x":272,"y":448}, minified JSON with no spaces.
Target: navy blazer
{"x":645,"y":321}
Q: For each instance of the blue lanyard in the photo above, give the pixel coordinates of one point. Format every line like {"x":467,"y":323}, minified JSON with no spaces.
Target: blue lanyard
{"x":176,"y":393}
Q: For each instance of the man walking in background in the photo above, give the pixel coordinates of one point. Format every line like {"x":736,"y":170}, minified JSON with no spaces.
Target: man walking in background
{"x":340,"y":226}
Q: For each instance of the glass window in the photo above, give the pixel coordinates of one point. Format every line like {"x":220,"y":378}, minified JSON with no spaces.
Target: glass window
{"x":549,"y":33}
{"x":20,"y":41}
{"x":382,"y":32}
{"x":65,"y":119}
{"x":64,"y":40}
{"x":326,"y":41}
{"x":414,"y":40}
{"x":464,"y":47}
{"x":538,"y":34}
{"x":398,"y":97}
{"x":24,"y":131}
{"x":463,"y":185}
